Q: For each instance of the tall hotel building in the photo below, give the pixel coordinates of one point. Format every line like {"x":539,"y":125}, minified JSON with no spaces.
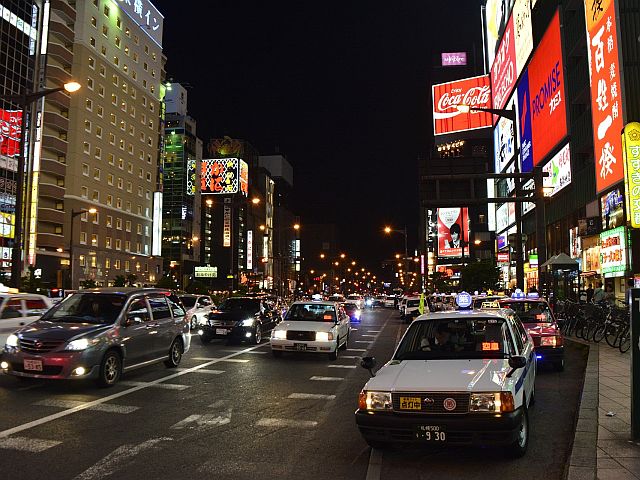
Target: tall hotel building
{"x":102,"y":151}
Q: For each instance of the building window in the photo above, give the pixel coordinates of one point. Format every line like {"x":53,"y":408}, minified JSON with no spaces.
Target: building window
{"x":117,"y":41}
{"x":110,"y":179}
{"x":138,"y":250}
{"x":90,"y":83}
{"x":118,"y":202}
{"x":88,"y":104}
{"x":83,"y":238}
{"x":140,"y":191}
{"x":97,"y":153}
{"x":107,"y":242}
{"x":129,"y":187}
{"x":118,"y":22}
{"x":96,"y":196}
{"x":118,"y":224}
{"x":101,"y":90}
{"x":106,"y":11}
{"x":127,"y":246}
{"x":126,"y":265}
{"x":105,"y":30}
{"x":111,"y":158}
{"x":100,"y":111}
{"x":109,"y":200}
{"x":128,"y":206}
{"x":121,"y":163}
{"x":112,"y":138}
{"x":117,"y":264}
{"x":94,"y":239}
{"x":114,"y":99}
{"x":130,"y":168}
{"x":139,"y":210}
{"x":120,"y":183}
{"x":148,"y":176}
{"x":85,"y":169}
{"x":98,"y":132}
{"x":84,"y":192}
{"x":96,"y":174}
{"x":92,"y":41}
{"x":94,"y":22}
{"x":103,"y":71}
{"x":127,"y":226}
{"x":103,"y":51}
{"x":107,"y":262}
{"x":94,"y":261}
{"x":116,"y":60}
{"x":83,"y":262}
{"x":113,"y":118}
{"x":118,"y":246}
{"x":139,"y":229}
{"x":109,"y":221}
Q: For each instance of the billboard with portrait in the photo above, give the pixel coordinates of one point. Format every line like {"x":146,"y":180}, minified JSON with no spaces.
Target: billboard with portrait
{"x":453,"y":232}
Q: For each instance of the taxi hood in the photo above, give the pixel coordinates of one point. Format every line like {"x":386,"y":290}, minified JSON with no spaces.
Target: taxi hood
{"x":460,"y":375}
{"x":306,"y":326}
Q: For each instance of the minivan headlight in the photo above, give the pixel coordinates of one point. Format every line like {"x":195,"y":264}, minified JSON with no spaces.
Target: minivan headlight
{"x":80,"y":344}
{"x":12,"y":340}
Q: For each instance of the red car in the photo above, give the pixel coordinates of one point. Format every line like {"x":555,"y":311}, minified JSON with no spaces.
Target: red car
{"x":538,"y":319}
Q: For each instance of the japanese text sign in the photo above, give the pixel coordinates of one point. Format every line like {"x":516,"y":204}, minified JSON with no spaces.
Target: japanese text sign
{"x":454,"y":59}
{"x":606,"y":94}
{"x":545,"y":102}
{"x":559,"y":170}
{"x":473,"y":92}
{"x":496,"y":15}
{"x":631,"y":144}
{"x":503,"y":70}
{"x":145,"y":14}
{"x":226,"y":226}
{"x":224,"y":176}
{"x":613,"y":252}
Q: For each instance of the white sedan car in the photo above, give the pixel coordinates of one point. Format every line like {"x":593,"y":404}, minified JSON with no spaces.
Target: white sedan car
{"x":319,"y":327}
{"x":198,"y":308}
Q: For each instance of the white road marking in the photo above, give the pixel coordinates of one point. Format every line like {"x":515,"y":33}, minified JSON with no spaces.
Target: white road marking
{"x":364,"y":341}
{"x":356,"y":350}
{"x":103,"y":407}
{"x":326,"y":379}
{"x":202,"y":370}
{"x":254,"y":353}
{"x":234,"y":360}
{"x":354,"y":329}
{"x":166,"y":386}
{"x":24,"y":444}
{"x":64,"y":413}
{"x":375,"y":465}
{"x":366,"y":335}
{"x":206,"y":420}
{"x":285,"y":422}
{"x":120,"y":456}
{"x":375,"y":331}
{"x":311,"y":396}
{"x":341,"y":366}
{"x":349,"y":356}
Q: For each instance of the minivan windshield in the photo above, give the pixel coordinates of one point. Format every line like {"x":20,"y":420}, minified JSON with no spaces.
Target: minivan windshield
{"x":442,"y":339}
{"x":87,"y":308}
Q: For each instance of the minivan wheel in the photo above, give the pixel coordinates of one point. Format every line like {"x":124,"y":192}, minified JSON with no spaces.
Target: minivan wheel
{"x":110,"y":369}
{"x":175,"y":354}
{"x":257,"y":335}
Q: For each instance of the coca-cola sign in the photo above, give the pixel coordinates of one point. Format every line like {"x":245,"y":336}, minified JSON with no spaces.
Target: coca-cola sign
{"x":473,"y":92}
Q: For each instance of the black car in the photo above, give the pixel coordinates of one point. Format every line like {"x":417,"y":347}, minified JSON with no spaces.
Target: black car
{"x":240,"y":319}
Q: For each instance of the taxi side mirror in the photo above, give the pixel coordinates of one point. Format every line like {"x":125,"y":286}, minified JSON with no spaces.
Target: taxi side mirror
{"x":516,"y":362}
{"x":368,"y":363}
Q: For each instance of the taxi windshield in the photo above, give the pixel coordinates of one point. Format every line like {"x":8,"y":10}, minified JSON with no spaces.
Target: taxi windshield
{"x":530,"y":312}
{"x":311,"y":312}
{"x":441,"y":339}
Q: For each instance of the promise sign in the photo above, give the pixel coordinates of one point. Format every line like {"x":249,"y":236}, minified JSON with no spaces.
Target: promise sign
{"x":473,"y":92}
{"x":631,"y":151}
{"x":606,"y":94}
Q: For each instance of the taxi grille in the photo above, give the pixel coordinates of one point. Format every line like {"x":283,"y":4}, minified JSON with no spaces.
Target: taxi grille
{"x":433,"y":402}
{"x":39,"y":346}
{"x":301,"y":335}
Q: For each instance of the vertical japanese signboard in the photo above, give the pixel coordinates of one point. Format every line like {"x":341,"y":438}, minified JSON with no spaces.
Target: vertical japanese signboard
{"x":503,"y":70}
{"x":606,"y":92}
{"x":453,"y":232}
{"x":226,"y":227}
{"x":249,"y":249}
{"x":631,"y":151}
{"x":613,"y":252}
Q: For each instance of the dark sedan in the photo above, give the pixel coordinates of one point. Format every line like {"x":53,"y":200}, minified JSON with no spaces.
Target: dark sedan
{"x":240,"y":319}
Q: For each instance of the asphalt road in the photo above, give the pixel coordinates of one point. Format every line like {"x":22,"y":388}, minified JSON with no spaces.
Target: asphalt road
{"x":235,"y":412}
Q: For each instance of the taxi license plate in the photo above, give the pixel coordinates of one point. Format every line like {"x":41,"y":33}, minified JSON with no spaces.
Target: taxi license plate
{"x":300,"y":346}
{"x":33,"y":365}
{"x":221,"y":331}
{"x":431,"y":433}
{"x":410,"y":403}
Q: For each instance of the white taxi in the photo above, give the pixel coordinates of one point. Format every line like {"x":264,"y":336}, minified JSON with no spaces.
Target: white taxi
{"x":318,"y":327}
{"x":456,"y":378}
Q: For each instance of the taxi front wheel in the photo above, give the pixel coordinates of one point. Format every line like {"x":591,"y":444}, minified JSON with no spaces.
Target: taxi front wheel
{"x":518,"y":448}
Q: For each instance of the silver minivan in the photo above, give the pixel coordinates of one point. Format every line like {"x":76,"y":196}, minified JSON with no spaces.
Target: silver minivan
{"x":99,"y":334}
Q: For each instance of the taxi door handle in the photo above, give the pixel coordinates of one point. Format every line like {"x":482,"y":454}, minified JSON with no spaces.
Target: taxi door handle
{"x":149,"y":327}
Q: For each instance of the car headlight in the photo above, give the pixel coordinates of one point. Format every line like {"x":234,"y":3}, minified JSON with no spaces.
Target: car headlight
{"x":497,"y":402}
{"x":80,"y":344}
{"x":375,"y":401}
{"x":12,"y":341}
{"x":324,"y":336}
{"x":248,"y":322}
{"x":280,"y":334}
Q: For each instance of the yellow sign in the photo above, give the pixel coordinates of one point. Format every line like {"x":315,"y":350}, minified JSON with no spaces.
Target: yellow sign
{"x":7,"y":225}
{"x":631,"y":152}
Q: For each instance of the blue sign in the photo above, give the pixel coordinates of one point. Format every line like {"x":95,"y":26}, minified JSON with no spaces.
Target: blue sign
{"x":464,"y":300}
{"x":524,"y":107}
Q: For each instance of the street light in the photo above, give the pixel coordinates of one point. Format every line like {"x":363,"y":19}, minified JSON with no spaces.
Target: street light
{"x":74,"y":214}
{"x":388,"y":230}
{"x":24,"y":100}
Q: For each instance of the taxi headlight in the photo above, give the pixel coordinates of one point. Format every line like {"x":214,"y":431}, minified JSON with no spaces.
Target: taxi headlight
{"x":498,"y":402}
{"x":80,"y":344}
{"x":375,"y":401}
{"x":280,"y":334}
{"x":324,"y":336}
{"x":12,"y":341}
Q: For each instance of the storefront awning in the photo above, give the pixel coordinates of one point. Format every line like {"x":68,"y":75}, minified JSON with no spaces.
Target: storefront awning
{"x":562,"y":261}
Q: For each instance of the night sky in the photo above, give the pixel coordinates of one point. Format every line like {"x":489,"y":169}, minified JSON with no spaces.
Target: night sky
{"x":341,"y":88}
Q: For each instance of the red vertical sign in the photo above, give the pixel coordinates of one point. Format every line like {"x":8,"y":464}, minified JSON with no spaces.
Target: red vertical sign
{"x":606,"y":92}
{"x":503,"y":70}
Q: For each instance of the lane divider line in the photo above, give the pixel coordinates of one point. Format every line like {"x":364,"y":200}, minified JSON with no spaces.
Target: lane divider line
{"x":285,"y":422}
{"x":104,"y":407}
{"x":204,"y":370}
{"x":326,"y":379}
{"x":49,"y":418}
{"x":24,"y":444}
{"x":311,"y":396}
{"x":374,"y":469}
{"x":166,"y":386}
{"x":342,"y":366}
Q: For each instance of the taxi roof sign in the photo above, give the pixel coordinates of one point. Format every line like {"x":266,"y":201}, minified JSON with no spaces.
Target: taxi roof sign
{"x":490,"y":305}
{"x":464,"y":300}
